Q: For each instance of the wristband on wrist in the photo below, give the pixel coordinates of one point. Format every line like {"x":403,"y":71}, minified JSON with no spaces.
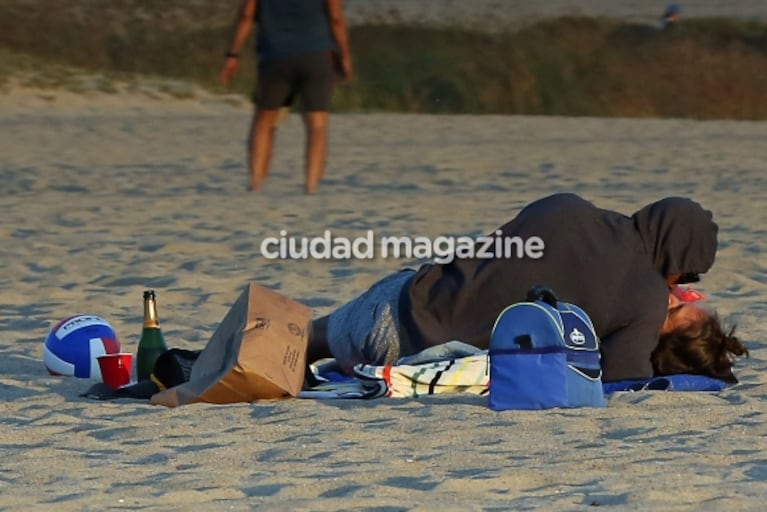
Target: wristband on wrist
{"x":232,"y":55}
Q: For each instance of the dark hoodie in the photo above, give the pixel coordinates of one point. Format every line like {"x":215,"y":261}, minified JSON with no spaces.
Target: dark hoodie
{"x":611,"y":265}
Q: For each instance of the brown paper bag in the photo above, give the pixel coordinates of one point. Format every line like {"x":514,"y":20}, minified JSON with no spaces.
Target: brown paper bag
{"x":257,"y":352}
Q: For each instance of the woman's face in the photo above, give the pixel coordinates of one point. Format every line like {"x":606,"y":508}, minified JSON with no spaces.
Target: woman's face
{"x":680,"y":314}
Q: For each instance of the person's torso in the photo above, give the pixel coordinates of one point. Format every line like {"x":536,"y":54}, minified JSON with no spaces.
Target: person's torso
{"x":289,"y":28}
{"x":591,"y":258}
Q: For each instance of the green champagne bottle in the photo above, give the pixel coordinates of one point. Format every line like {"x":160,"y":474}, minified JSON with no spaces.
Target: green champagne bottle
{"x":152,"y":343}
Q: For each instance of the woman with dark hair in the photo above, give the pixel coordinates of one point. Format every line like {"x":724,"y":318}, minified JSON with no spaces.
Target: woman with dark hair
{"x":693,"y":340}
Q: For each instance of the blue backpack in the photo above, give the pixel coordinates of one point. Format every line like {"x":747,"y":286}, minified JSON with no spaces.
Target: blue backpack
{"x":544,"y":353}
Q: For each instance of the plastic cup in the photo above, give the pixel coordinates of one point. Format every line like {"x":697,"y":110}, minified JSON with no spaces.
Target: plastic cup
{"x":687,"y":294}
{"x":115,"y":369}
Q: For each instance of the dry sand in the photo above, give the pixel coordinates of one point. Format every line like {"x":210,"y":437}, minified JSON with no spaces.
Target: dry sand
{"x":102,"y":197}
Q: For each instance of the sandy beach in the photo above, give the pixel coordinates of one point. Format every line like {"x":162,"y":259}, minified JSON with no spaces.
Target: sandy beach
{"x":104,"y":196}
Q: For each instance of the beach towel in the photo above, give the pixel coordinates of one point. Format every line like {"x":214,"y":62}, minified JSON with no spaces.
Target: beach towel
{"x":452,"y":367}
{"x":456,"y":367}
{"x":679,"y":382}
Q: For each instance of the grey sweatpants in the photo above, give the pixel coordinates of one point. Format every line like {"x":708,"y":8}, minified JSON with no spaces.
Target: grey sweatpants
{"x":366,"y":330}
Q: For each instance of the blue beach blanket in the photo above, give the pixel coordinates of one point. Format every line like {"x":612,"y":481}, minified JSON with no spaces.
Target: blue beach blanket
{"x":456,"y":367}
{"x":680,"y":382}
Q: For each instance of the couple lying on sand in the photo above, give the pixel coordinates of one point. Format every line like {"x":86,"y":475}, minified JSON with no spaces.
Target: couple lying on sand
{"x":619,"y":269}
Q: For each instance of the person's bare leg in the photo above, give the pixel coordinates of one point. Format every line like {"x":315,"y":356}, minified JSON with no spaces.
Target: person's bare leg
{"x":260,"y":147}
{"x":282,"y":116}
{"x":316,"y":125}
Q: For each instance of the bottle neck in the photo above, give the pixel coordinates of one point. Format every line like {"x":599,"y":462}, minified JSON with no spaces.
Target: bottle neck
{"x":150,"y":314}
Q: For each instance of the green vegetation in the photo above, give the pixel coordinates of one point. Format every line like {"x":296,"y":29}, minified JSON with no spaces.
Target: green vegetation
{"x":709,"y":68}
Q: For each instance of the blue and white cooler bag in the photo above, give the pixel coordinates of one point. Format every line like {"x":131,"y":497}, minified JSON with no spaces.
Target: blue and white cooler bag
{"x":544,"y":354}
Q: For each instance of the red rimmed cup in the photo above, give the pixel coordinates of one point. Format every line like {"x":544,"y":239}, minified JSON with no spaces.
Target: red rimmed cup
{"x":116,"y":369}
{"x":687,"y":294}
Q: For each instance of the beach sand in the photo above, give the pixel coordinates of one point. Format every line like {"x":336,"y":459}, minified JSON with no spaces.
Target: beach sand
{"x":104,"y":196}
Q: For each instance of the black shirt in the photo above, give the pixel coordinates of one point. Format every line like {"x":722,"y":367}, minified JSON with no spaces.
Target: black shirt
{"x":612,"y":265}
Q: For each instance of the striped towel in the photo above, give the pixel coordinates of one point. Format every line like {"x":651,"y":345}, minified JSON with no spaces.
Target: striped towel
{"x":469,"y":374}
{"x":453,"y":367}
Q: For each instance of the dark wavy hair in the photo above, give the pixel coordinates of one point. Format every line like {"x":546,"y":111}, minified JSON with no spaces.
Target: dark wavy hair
{"x":700,"y":348}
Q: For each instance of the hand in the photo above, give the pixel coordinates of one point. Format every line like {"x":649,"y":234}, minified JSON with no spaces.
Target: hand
{"x":346,"y":70}
{"x":229,"y":70}
{"x":342,"y":68}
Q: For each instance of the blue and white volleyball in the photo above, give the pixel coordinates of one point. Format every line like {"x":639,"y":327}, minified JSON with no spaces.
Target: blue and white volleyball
{"x":72,"y":346}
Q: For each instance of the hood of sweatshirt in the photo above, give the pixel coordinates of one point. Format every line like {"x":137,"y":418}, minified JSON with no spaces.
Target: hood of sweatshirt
{"x":680,"y":235}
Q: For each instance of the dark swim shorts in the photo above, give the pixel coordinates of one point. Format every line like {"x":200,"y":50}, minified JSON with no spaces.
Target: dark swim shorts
{"x":308,"y":76}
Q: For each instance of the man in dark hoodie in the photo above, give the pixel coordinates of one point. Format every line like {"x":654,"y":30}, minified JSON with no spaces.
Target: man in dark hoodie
{"x":617,"y":268}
